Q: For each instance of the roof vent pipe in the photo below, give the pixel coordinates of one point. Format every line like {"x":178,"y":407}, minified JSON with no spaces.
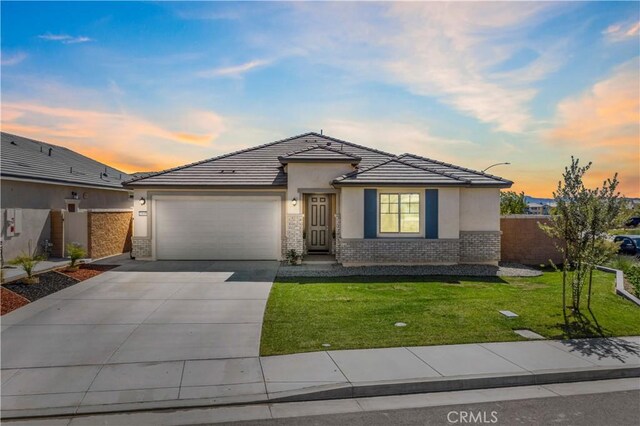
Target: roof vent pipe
{"x":40,"y":148}
{"x":50,"y":150}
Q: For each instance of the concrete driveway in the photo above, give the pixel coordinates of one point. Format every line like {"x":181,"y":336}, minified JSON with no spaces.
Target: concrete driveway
{"x":144,"y":332}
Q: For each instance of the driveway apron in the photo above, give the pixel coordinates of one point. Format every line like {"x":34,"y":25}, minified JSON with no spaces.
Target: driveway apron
{"x":143,"y":332}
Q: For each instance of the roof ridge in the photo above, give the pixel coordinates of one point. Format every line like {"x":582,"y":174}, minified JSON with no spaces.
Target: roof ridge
{"x":366,"y":169}
{"x":456,"y":167}
{"x":398,"y":160}
{"x":324,"y":147}
{"x":352,"y":144}
{"x":219,"y":157}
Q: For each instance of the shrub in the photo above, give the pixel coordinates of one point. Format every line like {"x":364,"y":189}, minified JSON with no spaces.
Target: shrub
{"x":633,"y":276}
{"x":75,"y":252}
{"x":293,"y":256}
{"x":27,"y":262}
{"x":623,"y":263}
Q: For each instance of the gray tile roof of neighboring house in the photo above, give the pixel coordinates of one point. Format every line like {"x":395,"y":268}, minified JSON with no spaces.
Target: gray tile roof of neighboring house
{"x":319,"y":153}
{"x":260,"y":166}
{"x":254,"y":167}
{"x":413,"y":170}
{"x":26,"y":158}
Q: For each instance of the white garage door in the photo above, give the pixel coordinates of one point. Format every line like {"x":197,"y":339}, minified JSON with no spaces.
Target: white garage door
{"x":218,"y":228}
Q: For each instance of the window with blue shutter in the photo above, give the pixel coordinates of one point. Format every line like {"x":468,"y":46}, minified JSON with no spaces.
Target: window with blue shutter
{"x":431,"y":214}
{"x":370,"y":213}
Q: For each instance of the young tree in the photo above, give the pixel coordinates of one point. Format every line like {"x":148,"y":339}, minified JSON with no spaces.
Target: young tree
{"x":512,"y":203}
{"x":582,"y":217}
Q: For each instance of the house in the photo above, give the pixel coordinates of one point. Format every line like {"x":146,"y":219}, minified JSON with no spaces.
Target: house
{"x":52,"y":195}
{"x":316,"y":194}
{"x":535,"y":208}
{"x":540,"y":208}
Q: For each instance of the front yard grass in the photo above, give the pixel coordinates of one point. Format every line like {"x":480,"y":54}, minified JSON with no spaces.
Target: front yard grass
{"x":360,"y":312}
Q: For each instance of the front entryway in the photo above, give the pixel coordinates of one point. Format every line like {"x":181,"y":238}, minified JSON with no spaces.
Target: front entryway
{"x":318,"y":233}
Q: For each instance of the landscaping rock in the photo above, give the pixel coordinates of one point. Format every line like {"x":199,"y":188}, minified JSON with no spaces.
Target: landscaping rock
{"x":50,"y":282}
{"x":11,"y":301}
{"x":504,"y":270}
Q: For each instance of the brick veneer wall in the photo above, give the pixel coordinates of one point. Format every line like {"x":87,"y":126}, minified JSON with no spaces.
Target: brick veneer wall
{"x":141,"y":247}
{"x":479,"y":246}
{"x":109,"y":233}
{"x":524,"y":242}
{"x":295,"y":229}
{"x":397,"y":251}
{"x":57,"y":233}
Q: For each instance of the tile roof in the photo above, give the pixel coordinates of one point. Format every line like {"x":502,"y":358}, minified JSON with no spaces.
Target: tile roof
{"x":475,"y":177}
{"x":261,"y":166}
{"x":407,"y":170}
{"x":319,"y":153}
{"x":31,"y":159}
{"x":254,"y":167}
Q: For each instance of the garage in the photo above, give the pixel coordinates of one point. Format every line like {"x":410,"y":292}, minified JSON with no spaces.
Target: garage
{"x":218,"y":228}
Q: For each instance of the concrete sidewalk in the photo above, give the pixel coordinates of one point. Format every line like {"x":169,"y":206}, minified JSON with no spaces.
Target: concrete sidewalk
{"x":330,"y":375}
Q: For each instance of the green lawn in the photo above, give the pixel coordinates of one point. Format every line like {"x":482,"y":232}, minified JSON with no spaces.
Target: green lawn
{"x":360,"y":312}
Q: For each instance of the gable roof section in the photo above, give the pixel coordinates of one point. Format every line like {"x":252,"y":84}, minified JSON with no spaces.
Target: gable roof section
{"x":254,"y":167}
{"x":395,"y":172}
{"x":399,"y":171}
{"x":473,"y":176}
{"x":26,"y":158}
{"x":319,"y":153}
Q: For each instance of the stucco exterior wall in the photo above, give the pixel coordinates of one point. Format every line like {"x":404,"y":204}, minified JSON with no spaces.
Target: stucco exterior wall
{"x":352,"y":212}
{"x":36,"y":228}
{"x":310,"y":176}
{"x":479,"y":209}
{"x":448,"y":213}
{"x":36,"y":195}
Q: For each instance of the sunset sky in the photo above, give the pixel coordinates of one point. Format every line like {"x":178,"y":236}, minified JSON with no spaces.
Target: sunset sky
{"x":147,"y":86}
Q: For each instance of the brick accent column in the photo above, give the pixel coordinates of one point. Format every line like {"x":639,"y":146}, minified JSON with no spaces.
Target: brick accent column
{"x":336,"y":240}
{"x":295,"y":228}
{"x":141,"y":247}
{"x":479,"y":246}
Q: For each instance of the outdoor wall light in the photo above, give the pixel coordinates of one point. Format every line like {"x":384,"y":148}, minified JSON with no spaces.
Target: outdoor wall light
{"x":294,"y":202}
{"x":142,"y":201}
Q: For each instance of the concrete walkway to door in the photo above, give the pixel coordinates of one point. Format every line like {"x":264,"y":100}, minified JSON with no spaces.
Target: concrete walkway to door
{"x":146,"y":332}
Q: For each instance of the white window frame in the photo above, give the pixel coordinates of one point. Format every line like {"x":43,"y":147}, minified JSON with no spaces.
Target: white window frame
{"x":400,"y":233}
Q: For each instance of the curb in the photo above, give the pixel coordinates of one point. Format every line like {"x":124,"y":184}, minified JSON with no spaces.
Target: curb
{"x":344,"y":391}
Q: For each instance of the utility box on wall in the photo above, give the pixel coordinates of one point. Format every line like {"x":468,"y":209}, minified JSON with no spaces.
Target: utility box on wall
{"x":13,"y":222}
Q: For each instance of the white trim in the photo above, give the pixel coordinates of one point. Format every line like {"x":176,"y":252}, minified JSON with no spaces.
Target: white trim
{"x":72,"y":184}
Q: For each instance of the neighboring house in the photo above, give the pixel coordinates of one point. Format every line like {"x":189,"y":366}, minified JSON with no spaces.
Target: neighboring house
{"x":52,"y":195}
{"x":540,"y":208}
{"x":317,"y":194}
{"x":535,"y":208}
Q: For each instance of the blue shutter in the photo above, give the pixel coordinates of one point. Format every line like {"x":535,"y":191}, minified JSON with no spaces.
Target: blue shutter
{"x":370,"y":213}
{"x":431,"y":214}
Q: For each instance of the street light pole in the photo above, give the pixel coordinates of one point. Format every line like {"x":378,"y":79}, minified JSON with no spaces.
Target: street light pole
{"x":493,"y":165}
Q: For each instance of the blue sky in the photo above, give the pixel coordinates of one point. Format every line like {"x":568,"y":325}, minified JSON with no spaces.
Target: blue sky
{"x":145,"y":86}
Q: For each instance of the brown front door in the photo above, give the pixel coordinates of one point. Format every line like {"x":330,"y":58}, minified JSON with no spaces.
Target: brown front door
{"x":318,"y":222}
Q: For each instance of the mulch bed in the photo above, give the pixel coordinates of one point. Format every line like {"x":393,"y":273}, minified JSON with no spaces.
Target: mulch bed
{"x":88,"y":271}
{"x":11,"y":301}
{"x":50,"y":282}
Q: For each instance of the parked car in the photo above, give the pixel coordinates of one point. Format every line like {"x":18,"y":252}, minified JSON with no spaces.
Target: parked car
{"x":632,"y":222}
{"x":629,"y":244}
